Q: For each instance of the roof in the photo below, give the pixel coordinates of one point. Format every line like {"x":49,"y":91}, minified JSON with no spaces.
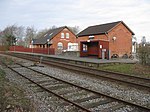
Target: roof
{"x":101,"y":29}
{"x":48,"y":35}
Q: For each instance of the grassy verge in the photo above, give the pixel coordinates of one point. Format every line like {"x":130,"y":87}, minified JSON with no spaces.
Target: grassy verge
{"x":6,"y":60}
{"x":132,"y":69}
{"x":12,"y":98}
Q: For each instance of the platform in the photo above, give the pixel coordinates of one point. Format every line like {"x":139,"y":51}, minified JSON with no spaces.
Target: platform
{"x":82,"y":60}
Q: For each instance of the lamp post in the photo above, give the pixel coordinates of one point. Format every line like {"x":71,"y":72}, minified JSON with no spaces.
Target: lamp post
{"x":48,"y":45}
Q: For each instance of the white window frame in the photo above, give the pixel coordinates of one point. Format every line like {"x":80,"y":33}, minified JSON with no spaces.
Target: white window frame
{"x":67,"y":35}
{"x":84,"y":48}
{"x":69,"y":46}
{"x":62,"y":35}
{"x":60,"y":45}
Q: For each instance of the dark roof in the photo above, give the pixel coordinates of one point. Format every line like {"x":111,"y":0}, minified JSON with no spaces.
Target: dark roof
{"x":100,"y":29}
{"x":48,"y":35}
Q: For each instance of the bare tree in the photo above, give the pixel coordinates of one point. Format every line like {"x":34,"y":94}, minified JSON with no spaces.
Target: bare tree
{"x":53,"y":27}
{"x":30,"y":34}
{"x":41,"y":33}
{"x":1,"y":35}
{"x":143,"y":41}
{"x":11,"y":33}
{"x":74,"y":29}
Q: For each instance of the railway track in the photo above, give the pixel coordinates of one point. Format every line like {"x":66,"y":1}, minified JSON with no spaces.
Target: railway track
{"x":134,"y":81}
{"x":82,"y":98}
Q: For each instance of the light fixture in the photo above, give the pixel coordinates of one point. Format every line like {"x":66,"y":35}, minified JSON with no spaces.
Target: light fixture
{"x":114,"y":38}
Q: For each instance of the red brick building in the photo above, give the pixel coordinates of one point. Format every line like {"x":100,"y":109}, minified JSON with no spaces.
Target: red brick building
{"x":60,"y":39}
{"x":106,"y":40}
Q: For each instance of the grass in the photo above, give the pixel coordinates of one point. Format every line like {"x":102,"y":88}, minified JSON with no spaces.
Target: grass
{"x":132,"y":69}
{"x":12,"y":96}
{"x":6,"y":60}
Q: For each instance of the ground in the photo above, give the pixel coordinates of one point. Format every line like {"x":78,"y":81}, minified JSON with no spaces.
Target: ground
{"x":12,"y":97}
{"x":132,"y":69}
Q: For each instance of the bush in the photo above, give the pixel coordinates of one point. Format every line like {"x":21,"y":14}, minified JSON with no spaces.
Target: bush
{"x":144,"y":55}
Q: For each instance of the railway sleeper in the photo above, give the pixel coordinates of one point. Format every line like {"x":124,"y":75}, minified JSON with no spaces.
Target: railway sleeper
{"x":46,"y":84}
{"x":51,"y":82}
{"x":77,"y":93}
{"x":16,"y":67}
{"x":38,"y":79}
{"x":138,"y":110}
{"x":74,"y":109}
{"x":43,"y":81}
{"x":68,"y":91}
{"x":64,"y":104}
{"x":39,"y":90}
{"x":95,"y":104}
{"x":58,"y":87}
{"x":86,"y":99}
{"x":113,"y":108}
{"x":54,"y":85}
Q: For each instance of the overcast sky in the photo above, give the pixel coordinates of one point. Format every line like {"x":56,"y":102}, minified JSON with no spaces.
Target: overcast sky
{"x":83,"y":13}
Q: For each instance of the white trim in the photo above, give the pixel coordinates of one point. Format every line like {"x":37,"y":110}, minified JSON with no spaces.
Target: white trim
{"x":67,"y":35}
{"x":62,"y":35}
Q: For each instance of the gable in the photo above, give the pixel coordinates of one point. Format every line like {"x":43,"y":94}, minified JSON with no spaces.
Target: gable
{"x":50,"y":34}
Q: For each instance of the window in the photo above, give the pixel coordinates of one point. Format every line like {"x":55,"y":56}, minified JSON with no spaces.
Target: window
{"x":62,"y":35}
{"x":60,"y":45}
{"x":69,"y":46}
{"x":84,"y":48}
{"x":45,"y":35}
{"x":67,"y":35}
{"x":50,"y":34}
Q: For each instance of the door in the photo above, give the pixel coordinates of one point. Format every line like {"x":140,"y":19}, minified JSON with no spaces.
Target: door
{"x":93,"y":49}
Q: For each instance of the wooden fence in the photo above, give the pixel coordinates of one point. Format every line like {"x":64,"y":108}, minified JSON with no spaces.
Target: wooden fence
{"x":50,"y":51}
{"x":3,"y":48}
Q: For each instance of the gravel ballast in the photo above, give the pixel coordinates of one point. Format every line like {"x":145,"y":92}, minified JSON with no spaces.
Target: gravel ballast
{"x":116,"y":90}
{"x":123,"y":92}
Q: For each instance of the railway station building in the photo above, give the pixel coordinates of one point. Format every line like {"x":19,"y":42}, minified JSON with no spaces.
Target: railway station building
{"x":106,"y":40}
{"x":61,"y":39}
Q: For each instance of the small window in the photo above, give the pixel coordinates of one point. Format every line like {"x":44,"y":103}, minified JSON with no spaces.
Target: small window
{"x":84,"y":48}
{"x":45,"y":35}
{"x":62,"y":35}
{"x":50,"y":34}
{"x":67,"y":35}
{"x":60,"y":45}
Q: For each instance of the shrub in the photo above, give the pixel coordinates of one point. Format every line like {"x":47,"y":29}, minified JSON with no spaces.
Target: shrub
{"x":144,"y":54}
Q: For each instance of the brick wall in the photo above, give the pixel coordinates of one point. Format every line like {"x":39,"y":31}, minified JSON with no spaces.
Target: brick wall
{"x":64,"y":41}
{"x":123,"y":43}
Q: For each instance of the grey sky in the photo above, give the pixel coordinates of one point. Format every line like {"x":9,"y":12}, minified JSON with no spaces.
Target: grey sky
{"x":83,"y":13}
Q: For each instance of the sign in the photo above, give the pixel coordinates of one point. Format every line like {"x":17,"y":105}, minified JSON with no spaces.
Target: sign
{"x":100,"y":46}
{"x":88,"y":40}
{"x":91,"y":37}
{"x":104,"y":50}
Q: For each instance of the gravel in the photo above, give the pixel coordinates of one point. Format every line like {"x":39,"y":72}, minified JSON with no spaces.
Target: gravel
{"x":110,"y":88}
{"x":101,"y":107}
{"x":119,"y":91}
{"x":123,"y":92}
{"x":43,"y":101}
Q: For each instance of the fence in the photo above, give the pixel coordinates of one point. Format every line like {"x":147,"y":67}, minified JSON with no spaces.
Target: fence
{"x":3,"y":48}
{"x":50,"y":51}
